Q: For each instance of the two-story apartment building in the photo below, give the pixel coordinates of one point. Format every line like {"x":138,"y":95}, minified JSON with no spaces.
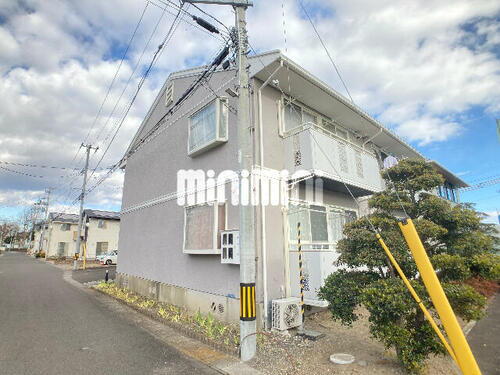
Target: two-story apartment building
{"x":60,"y":236}
{"x":180,"y":253}
{"x":102,"y":230}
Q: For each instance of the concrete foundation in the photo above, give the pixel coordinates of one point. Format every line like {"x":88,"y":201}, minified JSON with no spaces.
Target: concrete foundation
{"x":224,"y":308}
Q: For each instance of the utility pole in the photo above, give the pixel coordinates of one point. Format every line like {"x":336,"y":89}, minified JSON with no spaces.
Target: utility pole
{"x":82,"y":199}
{"x":248,"y":324}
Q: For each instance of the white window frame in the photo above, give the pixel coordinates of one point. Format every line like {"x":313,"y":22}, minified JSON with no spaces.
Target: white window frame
{"x":219,"y":102}
{"x":310,"y":244}
{"x":103,"y":226}
{"x":215,"y":250}
{"x":65,"y":227}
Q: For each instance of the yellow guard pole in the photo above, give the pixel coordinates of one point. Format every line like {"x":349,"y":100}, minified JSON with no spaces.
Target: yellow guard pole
{"x":461,"y":348}
{"x":415,"y":296}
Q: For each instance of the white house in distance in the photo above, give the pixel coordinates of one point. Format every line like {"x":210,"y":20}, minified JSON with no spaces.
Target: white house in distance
{"x":57,"y":237}
{"x":59,"y":240}
{"x":102,"y":230}
{"x":180,"y":253}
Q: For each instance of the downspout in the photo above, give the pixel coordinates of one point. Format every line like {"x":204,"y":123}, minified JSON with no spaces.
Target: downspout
{"x":262,"y":209}
{"x":373,"y":137}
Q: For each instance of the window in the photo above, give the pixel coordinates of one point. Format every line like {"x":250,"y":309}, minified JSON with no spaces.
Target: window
{"x":321,"y":226}
{"x":342,"y":134}
{"x":61,"y":249}
{"x":295,"y":116}
{"x":169,"y":94}
{"x":328,"y":126}
{"x":101,"y":224}
{"x":208,"y":127}
{"x":447,"y":192}
{"x":101,"y":248}
{"x":65,"y":227}
{"x":202,"y":224}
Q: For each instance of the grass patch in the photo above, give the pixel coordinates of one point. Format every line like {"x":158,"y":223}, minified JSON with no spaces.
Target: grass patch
{"x":213,"y":330}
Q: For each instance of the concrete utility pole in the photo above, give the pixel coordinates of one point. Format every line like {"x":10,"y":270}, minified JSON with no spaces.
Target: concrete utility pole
{"x":82,"y":199}
{"x":248,"y":325}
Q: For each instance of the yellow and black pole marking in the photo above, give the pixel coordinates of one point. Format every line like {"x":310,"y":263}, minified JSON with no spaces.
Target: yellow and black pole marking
{"x":247,"y":302}
{"x":301,"y":274}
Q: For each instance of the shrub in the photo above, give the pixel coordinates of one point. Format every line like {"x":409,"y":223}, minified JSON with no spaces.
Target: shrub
{"x":486,"y":266}
{"x":451,"y":267}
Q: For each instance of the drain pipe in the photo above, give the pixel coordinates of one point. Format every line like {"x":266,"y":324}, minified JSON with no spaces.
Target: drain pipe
{"x":262,"y":208}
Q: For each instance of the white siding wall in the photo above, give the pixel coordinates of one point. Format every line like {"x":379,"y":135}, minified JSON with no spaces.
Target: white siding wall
{"x":55,"y":235}
{"x":109,"y":234}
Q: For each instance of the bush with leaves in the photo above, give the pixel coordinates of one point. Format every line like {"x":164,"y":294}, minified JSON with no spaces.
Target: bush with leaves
{"x":457,"y":242}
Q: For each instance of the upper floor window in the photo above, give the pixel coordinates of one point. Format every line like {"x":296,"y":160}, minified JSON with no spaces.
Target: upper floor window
{"x":101,"y":224}
{"x":296,"y":116}
{"x":208,"y":127}
{"x":65,"y":227}
{"x":447,"y":191}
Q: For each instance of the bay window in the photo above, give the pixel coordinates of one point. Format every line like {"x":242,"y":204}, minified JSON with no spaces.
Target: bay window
{"x":208,"y":127}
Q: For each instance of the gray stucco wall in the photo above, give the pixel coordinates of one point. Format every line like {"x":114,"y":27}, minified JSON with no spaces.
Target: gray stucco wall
{"x":151,"y":239}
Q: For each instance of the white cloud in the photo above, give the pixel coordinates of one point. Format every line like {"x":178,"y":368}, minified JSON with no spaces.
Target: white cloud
{"x":417,"y":66}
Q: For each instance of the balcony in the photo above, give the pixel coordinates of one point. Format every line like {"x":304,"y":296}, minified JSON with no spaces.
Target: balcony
{"x":336,"y":160}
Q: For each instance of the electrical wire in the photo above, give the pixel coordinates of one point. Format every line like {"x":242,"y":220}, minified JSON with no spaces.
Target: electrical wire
{"x":143,"y":79}
{"x":153,"y":32}
{"x":117,"y":71}
{"x":326,"y":49}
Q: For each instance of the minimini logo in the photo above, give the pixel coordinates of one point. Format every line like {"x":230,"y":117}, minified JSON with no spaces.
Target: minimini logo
{"x":257,"y":187}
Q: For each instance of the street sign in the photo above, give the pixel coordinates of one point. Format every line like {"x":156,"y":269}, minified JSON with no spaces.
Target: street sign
{"x":223,"y":2}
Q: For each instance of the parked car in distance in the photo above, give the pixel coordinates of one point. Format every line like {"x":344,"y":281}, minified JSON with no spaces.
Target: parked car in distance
{"x":108,"y":258}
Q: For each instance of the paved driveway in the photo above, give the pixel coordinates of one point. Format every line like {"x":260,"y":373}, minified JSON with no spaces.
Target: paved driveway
{"x":94,"y":274}
{"x":48,"y":326}
{"x":484,"y":340}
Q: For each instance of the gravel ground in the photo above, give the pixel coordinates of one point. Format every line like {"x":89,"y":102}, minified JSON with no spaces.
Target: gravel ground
{"x":280,"y":354}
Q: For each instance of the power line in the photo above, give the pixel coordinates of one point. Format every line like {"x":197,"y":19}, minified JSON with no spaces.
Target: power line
{"x":156,"y":129}
{"x":37,"y":166}
{"x":326,"y":49}
{"x":153,"y":32}
{"x":143,"y":79}
{"x":117,"y":71}
{"x":32,"y":175}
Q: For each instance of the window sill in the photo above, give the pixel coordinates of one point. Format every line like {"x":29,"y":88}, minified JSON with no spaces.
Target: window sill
{"x":206,"y":147}
{"x":202,"y":252}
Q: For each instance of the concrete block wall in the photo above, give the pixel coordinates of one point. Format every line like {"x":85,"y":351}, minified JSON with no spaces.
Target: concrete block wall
{"x":223,"y":308}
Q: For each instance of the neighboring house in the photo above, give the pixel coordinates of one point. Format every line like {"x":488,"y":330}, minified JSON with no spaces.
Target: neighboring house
{"x":59,"y":240}
{"x":102,"y":229}
{"x":173,"y":252}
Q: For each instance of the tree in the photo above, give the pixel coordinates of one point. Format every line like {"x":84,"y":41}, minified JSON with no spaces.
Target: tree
{"x":458,"y":244}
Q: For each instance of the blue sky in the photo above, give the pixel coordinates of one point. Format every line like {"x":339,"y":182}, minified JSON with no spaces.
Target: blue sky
{"x":429,"y":70}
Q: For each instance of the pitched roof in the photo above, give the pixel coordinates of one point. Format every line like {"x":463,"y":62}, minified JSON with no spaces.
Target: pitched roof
{"x":63,"y":218}
{"x":98,"y":214}
{"x":317,"y":94}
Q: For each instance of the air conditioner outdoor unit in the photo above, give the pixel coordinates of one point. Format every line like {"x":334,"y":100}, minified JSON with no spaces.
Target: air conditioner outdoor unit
{"x":286,"y":313}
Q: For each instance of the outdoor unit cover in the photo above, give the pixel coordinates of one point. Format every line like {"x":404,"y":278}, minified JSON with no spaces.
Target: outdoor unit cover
{"x":286,"y":313}
{"x":230,"y":246}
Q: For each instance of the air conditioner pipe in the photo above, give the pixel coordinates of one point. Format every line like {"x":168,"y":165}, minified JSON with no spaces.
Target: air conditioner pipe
{"x":262,"y":208}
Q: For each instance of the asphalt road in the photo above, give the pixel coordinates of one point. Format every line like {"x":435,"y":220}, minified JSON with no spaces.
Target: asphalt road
{"x":94,"y":274}
{"x":48,"y":326}
{"x":484,"y":339}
